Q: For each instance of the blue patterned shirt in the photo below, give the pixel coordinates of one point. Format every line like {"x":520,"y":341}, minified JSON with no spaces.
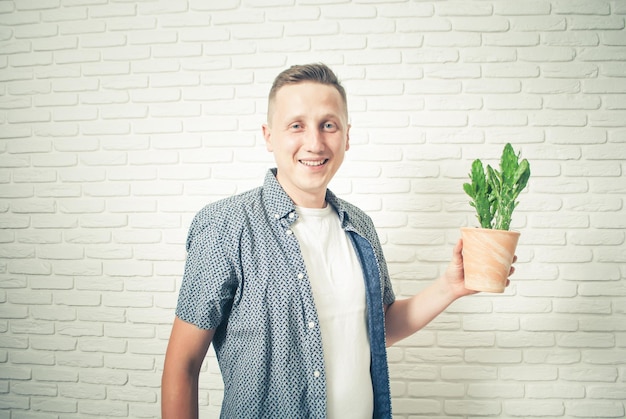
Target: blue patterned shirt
{"x":245,"y":277}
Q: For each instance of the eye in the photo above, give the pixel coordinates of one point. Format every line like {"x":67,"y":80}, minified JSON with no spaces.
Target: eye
{"x":329,"y":126}
{"x":295,"y":126}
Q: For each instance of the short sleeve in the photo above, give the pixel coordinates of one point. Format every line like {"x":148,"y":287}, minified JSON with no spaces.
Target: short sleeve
{"x":209,"y":282}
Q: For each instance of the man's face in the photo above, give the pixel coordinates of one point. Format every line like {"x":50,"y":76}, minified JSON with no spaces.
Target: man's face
{"x":308,"y":134}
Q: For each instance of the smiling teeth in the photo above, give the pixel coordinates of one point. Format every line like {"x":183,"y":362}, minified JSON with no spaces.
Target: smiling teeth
{"x":313,"y":163}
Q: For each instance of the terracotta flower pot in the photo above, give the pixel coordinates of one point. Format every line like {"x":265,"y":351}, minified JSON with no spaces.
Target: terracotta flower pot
{"x":487,"y":258}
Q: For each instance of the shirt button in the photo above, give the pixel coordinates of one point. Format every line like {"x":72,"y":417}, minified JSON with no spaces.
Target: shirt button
{"x":289,"y":232}
{"x":291,"y":215}
{"x":300,"y":275}
{"x":276,"y":216}
{"x":311,"y":325}
{"x":316,"y":374}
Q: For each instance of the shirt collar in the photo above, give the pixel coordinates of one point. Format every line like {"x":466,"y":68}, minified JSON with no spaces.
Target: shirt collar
{"x":279,"y":205}
{"x":276,"y":200}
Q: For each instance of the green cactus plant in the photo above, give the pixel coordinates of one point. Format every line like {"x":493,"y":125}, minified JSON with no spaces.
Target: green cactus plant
{"x":494,"y":192}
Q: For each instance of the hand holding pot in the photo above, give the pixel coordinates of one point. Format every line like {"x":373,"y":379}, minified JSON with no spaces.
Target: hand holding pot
{"x":454,"y":276}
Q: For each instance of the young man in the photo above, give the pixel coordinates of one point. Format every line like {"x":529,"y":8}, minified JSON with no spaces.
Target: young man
{"x":289,"y":282}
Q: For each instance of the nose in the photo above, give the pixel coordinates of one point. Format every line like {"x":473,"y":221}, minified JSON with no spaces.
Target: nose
{"x":315,"y":141}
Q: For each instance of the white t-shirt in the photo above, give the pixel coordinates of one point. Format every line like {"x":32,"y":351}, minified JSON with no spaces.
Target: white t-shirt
{"x":338,"y":289}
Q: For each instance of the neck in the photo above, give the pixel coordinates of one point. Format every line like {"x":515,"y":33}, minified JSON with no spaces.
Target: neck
{"x":308,"y":201}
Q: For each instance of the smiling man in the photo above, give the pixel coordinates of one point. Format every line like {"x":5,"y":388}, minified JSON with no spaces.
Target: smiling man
{"x":289,"y":282}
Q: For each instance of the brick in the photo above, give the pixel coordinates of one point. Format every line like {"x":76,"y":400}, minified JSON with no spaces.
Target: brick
{"x":595,"y":272}
{"x":604,"y":86}
{"x":584,"y":374}
{"x":595,"y":23}
{"x":576,"y":39}
{"x":32,"y":59}
{"x":75,"y":268}
{"x":538,"y":23}
{"x":78,"y":330}
{"x":16,"y":191}
{"x":53,"y":405}
{"x":128,"y":269}
{"x":604,"y":357}
{"x":430,"y":356}
{"x":431,"y":55}
{"x":128,"y":301}
{"x":607,"y":392}
{"x":82,"y":391}
{"x":555,"y":390}
{"x":87,"y":237}
{"x":490,"y":356}
{"x":34,"y":389}
{"x":101,"y":345}
{"x":582,"y":306}
{"x":421,"y":25}
{"x":105,"y":377}
{"x":29,"y":267}
{"x":489,"y":55}
{"x":108,"y":408}
{"x":48,"y":283}
{"x":460,"y":339}
{"x":434,"y":389}
{"x":529,"y":373}
{"x":129,"y":331}
{"x":562,"y":324}
{"x":71,"y":115}
{"x":586,"y":340}
{"x":29,"y":146}
{"x":106,"y":69}
{"x":524,"y":339}
{"x":452,"y":39}
{"x":480,"y":24}
{"x":592,"y":409}
{"x":54,"y":160}
{"x":472,"y":407}
{"x":416,"y":406}
{"x":14,"y":403}
{"x":534,"y":408}
{"x":407,"y":371}
{"x":488,"y":391}
{"x":72,"y":299}
{"x":489,"y":323}
{"x":88,"y":206}
{"x":593,"y":290}
{"x":55,"y":221}
{"x":60,"y":344}
{"x":99,"y":284}
{"x":612,"y":39}
{"x":132,"y":363}
{"x":104,"y":98}
{"x":508,"y":39}
{"x":55,"y":374}
{"x":32,"y":357}
{"x":617,"y":102}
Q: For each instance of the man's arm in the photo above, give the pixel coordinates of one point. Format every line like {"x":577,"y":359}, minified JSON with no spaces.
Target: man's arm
{"x":186,"y":350}
{"x":405,"y":317}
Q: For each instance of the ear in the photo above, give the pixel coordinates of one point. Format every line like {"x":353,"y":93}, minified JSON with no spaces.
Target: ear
{"x":267,"y":134}
{"x":348,"y":138}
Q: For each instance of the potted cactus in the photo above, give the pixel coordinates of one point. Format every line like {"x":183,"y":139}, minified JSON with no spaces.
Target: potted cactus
{"x":488,"y":251}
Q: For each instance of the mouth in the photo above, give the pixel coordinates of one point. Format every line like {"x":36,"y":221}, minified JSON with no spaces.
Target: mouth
{"x":313,"y":163}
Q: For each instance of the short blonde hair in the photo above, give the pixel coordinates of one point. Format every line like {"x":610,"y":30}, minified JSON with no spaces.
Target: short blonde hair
{"x":316,"y":73}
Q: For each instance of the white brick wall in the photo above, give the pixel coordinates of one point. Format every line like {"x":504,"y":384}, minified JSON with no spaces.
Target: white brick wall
{"x":120,"y":119}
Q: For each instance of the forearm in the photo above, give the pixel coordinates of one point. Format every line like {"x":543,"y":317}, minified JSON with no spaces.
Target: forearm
{"x":407,"y":316}
{"x":179,"y":396}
